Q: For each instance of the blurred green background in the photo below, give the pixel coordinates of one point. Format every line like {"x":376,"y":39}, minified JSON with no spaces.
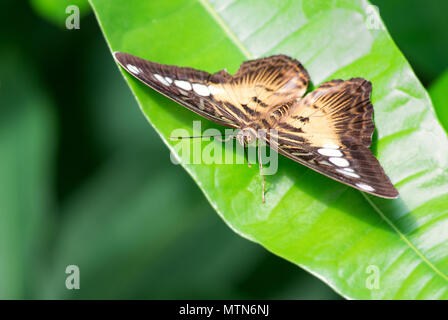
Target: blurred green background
{"x":100,"y":192}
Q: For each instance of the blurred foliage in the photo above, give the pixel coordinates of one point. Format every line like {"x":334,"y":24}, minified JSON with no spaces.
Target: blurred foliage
{"x":419,"y":29}
{"x":439,"y":95}
{"x":84,"y":186}
{"x":55,"y":10}
{"x":26,"y":162}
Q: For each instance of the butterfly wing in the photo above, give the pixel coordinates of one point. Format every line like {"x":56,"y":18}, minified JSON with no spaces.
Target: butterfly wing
{"x":233,"y":101}
{"x":262,"y":84}
{"x":330,"y":131}
{"x":194,"y":89}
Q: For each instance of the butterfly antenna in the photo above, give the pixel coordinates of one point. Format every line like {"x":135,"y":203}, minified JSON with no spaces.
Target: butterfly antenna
{"x":227,"y":137}
{"x":218,"y":137}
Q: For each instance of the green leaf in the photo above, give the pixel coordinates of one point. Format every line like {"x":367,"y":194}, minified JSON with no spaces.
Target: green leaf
{"x":26,"y":149}
{"x":344,"y":237}
{"x":439,"y":95}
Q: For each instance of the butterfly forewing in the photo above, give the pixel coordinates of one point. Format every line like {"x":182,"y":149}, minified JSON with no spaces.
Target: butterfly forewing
{"x":233,"y":101}
{"x":194,"y":89}
{"x":330,"y":131}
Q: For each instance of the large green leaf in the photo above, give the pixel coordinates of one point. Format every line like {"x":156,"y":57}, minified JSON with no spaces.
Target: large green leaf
{"x":339,"y":234}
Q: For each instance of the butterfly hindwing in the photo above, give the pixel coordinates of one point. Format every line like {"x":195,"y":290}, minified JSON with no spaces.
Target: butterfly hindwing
{"x":260,"y":85}
{"x":330,"y":131}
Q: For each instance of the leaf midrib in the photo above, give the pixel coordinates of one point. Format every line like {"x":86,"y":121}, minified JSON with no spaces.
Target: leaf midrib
{"x":245,"y":51}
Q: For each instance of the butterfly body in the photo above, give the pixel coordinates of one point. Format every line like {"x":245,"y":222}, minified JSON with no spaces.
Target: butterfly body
{"x":247,"y":136}
{"x":328,"y":130}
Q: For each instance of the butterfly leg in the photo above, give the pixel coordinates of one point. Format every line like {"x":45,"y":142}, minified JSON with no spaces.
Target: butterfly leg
{"x":260,"y":165}
{"x":246,"y":155}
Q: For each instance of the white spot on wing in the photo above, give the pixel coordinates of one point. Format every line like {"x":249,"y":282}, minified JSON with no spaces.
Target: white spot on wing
{"x":213,"y":89}
{"x":169,"y":80}
{"x":183,"y":84}
{"x":133,"y":69}
{"x":201,"y":89}
{"x":201,"y":104}
{"x":348,"y":173}
{"x":161,"y":79}
{"x":340,"y":162}
{"x":365,"y":187}
{"x":330,"y":145}
{"x":301,"y":154}
{"x":330,"y":152}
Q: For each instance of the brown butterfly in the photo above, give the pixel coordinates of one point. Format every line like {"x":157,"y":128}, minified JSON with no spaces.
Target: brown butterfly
{"x":329,"y":130}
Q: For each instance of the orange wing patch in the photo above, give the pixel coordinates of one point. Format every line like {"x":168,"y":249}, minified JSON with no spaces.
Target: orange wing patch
{"x":338,"y":112}
{"x":261,"y":85}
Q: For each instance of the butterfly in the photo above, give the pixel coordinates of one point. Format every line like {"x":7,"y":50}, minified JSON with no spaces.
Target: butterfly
{"x":328,"y":130}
